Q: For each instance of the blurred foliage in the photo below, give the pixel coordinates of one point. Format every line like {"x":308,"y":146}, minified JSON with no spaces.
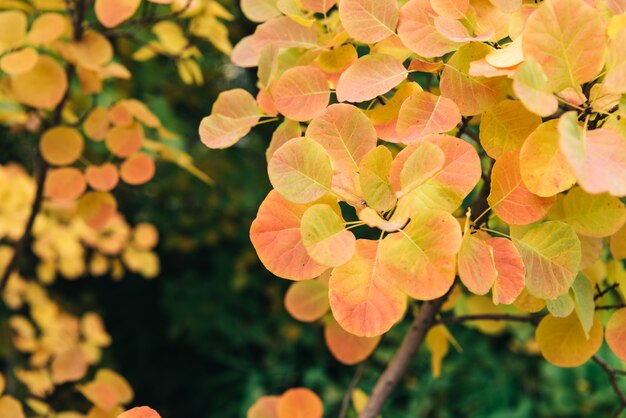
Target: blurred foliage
{"x":210,"y":334}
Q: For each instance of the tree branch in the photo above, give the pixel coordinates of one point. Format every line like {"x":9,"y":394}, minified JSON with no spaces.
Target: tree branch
{"x":610,"y":307}
{"x":533,"y":319}
{"x":612,"y":375}
{"x":397,"y":367}
{"x":345,"y":403}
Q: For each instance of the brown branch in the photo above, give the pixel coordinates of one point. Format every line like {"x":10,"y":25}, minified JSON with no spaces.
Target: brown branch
{"x":397,"y":367}
{"x":612,"y":375}
{"x":610,"y":307}
{"x":533,"y":319}
{"x":345,"y":403}
{"x":602,"y":292}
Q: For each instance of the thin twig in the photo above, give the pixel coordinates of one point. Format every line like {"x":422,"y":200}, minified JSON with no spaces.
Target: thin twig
{"x":399,"y":363}
{"x":602,"y":292}
{"x":345,"y":403}
{"x":610,"y":307}
{"x":612,"y":375}
{"x":533,"y":319}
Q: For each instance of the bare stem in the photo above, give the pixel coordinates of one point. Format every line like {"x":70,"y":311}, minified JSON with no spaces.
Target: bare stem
{"x":345,"y":403}
{"x":612,"y":375}
{"x":533,"y":319}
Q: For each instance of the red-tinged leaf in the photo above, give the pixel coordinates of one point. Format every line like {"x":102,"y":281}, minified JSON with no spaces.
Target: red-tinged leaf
{"x":276,"y":237}
{"x":370,"y":76}
{"x":264,"y":407}
{"x":616,"y":333}
{"x":530,"y":84}
{"x":233,"y":115}
{"x":417,"y":31}
{"x":505,"y":127}
{"x":103,"y":178}
{"x":282,"y":32}
{"x":510,"y":280}
{"x":113,"y":12}
{"x":374,"y":179}
{"x":286,"y":131}
{"x":346,"y":134}
{"x":454,"y":9}
{"x":481,"y":68}
{"x":299,"y":403}
{"x":140,"y":412}
{"x":426,"y":66}
{"x":307,"y":301}
{"x":454,"y":30}
{"x":324,"y":236}
{"x":563,"y":37}
{"x":551,"y":253}
{"x":424,"y":113}
{"x":545,"y":172}
{"x":456,"y":81}
{"x":259,"y":10}
{"x":300,"y":170}
{"x":244,"y":55}
{"x":598,"y":157}
{"x":476,"y":265}
{"x":67,"y":183}
{"x":363,"y":298}
{"x":509,"y":197}
{"x":456,"y":179}
{"x":562,"y":341}
{"x":369,"y":21}
{"x":423,"y":163}
{"x":347,"y":348}
{"x":422,"y":257}
{"x":301,"y":93}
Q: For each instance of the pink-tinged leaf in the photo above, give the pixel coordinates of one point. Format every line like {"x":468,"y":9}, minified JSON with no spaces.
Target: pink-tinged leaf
{"x":426,"y":66}
{"x":454,"y":9}
{"x":446,"y":190}
{"x":385,"y":117}
{"x":511,"y":271}
{"x":287,"y":130}
{"x":545,"y":172}
{"x":509,"y":197}
{"x":234,"y":114}
{"x":454,"y":30}
{"x":598,"y":157}
{"x":276,"y":237}
{"x":530,"y":85}
{"x":259,"y":10}
{"x":300,"y":170}
{"x":347,"y":348}
{"x":374,"y":179}
{"x":505,"y":127}
{"x":113,"y":12}
{"x":301,"y":93}
{"x":318,"y":6}
{"x":300,"y":403}
{"x":140,"y":412}
{"x":422,"y":257}
{"x":282,"y":32}
{"x":363,"y":298}
{"x":551,"y":253}
{"x":476,"y":265}
{"x":563,"y":37}
{"x":324,"y":236}
{"x":369,"y":21}
{"x":616,"y":333}
{"x":417,"y":31}
{"x":370,"y":76}
{"x":473,"y":95}
{"x":425,"y":162}
{"x":482,"y":68}
{"x":424,"y":113}
{"x":346,"y":134}
{"x":507,"y":6}
{"x":244,"y":55}
{"x":307,"y":301}
{"x":264,"y":407}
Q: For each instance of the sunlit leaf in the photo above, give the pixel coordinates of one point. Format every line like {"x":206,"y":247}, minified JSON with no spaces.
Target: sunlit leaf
{"x":530,"y":85}
{"x":19,"y":62}
{"x":61,"y":145}
{"x":616,"y":333}
{"x":66,"y":183}
{"x":509,"y":197}
{"x":562,"y":306}
{"x":370,"y":76}
{"x":417,"y":31}
{"x":551,"y":253}
{"x":14,"y":24}
{"x":139,"y":168}
{"x":47,"y":28}
{"x":369,"y":21}
{"x":282,"y":32}
{"x":113,"y":12}
{"x":43,"y":86}
{"x":347,"y":348}
{"x":324,"y":236}
{"x":374,"y":179}
{"x":593,"y":215}
{"x":476,"y":264}
{"x":259,"y":10}
{"x":424,"y":162}
{"x":385,"y":117}
{"x":103,"y":178}
{"x":615,"y":80}
{"x":301,"y":93}
{"x":123,"y":141}
{"x":299,"y":403}
{"x":140,"y":412}
{"x":363,"y":297}
{"x":424,"y":113}
{"x":562,"y":341}
{"x":567,"y":38}
{"x":510,"y":279}
{"x":307,"y":301}
{"x":422,"y":257}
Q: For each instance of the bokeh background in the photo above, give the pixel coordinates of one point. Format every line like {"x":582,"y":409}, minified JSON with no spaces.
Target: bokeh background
{"x":210,"y":334}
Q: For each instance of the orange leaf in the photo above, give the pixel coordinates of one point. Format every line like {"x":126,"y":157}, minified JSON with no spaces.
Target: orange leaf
{"x":348,"y":348}
{"x":140,"y":412}
{"x":61,"y":145}
{"x":307,"y":301}
{"x":113,"y":12}
{"x":138,"y":169}
{"x":417,"y":30}
{"x":264,"y":407}
{"x":370,"y":76}
{"x":299,"y":403}
{"x":301,"y":93}
{"x":66,"y":183}
{"x":43,"y":86}
{"x":424,"y":113}
{"x":510,"y":280}
{"x":103,"y":178}
{"x":369,"y":21}
{"x":476,"y":265}
{"x":616,"y":333}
